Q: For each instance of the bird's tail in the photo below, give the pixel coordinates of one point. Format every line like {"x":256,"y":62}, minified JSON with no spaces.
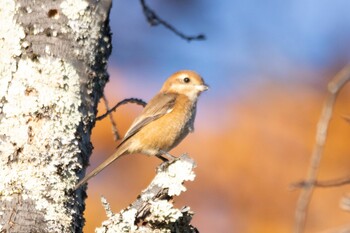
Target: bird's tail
{"x":119,"y":152}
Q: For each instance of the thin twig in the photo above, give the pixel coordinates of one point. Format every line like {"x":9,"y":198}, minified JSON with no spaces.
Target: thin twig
{"x":305,"y":196}
{"x":125,"y":101}
{"x":154,"y":20}
{"x":323,"y":183}
{"x":114,"y":125}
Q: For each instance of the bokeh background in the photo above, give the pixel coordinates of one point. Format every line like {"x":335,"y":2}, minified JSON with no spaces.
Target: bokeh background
{"x":268,"y":64}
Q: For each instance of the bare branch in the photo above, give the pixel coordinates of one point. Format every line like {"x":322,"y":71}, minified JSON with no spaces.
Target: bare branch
{"x":114,"y":125}
{"x":324,"y":183}
{"x":322,"y":128}
{"x":125,"y":101}
{"x":154,"y":20}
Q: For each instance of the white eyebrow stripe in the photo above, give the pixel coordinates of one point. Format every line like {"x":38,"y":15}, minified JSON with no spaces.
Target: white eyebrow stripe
{"x":182,"y":76}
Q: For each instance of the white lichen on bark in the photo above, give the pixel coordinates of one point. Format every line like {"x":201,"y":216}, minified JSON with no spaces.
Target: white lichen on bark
{"x":176,"y":172}
{"x":11,"y":35}
{"x":81,"y":21}
{"x":153,"y":211}
{"x":47,"y":106}
{"x":32,"y":95}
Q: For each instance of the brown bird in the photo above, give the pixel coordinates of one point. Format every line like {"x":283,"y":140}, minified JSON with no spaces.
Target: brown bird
{"x":164,"y":122}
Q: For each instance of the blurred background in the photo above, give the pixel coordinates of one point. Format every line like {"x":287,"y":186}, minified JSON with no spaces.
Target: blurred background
{"x":268,"y":64}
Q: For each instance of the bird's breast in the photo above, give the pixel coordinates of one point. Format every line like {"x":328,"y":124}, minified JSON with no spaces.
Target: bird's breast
{"x":169,"y":130}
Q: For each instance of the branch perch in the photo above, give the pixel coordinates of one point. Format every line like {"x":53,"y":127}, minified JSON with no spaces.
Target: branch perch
{"x":153,"y":210}
{"x":322,"y":128}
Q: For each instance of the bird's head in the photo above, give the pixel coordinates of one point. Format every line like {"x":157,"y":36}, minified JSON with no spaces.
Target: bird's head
{"x":185,"y":82}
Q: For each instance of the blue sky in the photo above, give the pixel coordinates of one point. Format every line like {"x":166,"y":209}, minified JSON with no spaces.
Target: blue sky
{"x":247,"y":40}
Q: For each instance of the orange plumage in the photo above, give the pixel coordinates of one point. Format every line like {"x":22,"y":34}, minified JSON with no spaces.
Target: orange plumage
{"x":164,"y":122}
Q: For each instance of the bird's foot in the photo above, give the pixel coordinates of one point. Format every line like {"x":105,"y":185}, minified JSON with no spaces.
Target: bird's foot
{"x":167,"y":160}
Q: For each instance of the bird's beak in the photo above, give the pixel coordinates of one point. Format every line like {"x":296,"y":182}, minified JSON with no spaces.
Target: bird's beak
{"x":202,"y":87}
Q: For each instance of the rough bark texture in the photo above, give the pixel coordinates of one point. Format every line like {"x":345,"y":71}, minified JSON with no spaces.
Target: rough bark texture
{"x":153,"y":210}
{"x":53,"y":57}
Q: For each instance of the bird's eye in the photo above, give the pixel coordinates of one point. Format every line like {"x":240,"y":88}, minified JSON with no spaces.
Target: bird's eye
{"x":186,"y":80}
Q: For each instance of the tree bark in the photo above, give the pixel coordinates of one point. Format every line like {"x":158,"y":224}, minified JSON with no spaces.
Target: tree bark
{"x":53,"y":57}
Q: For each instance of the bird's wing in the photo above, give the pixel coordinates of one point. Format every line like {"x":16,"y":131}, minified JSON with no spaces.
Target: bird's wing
{"x":160,"y":105}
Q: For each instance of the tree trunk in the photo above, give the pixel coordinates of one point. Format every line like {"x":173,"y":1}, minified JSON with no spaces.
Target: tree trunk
{"x":53,"y":57}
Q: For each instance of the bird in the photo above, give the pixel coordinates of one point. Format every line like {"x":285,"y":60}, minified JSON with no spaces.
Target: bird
{"x":164,"y":122}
